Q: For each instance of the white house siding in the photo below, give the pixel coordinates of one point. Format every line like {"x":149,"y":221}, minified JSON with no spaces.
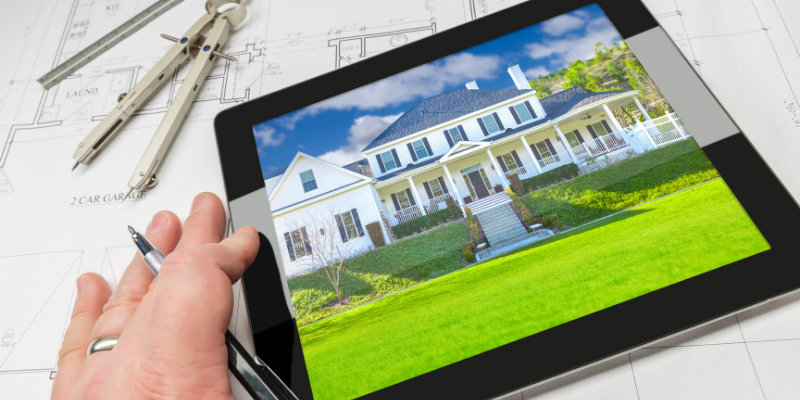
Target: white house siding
{"x":291,"y":190}
{"x":480,"y":157}
{"x":270,"y":183}
{"x":471,"y":127}
{"x":359,"y":198}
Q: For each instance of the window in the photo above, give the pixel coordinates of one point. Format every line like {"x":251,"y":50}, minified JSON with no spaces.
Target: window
{"x":543,"y":149}
{"x":523,"y":113}
{"x":388,"y":160}
{"x":455,"y":135}
{"x":402,"y":198}
{"x":511,"y":164}
{"x":491,"y":124}
{"x":309,"y":183}
{"x":573,"y":141}
{"x":436,"y":188}
{"x":419,"y":148}
{"x":600,"y":129}
{"x":297,"y":243}
{"x":349,"y":225}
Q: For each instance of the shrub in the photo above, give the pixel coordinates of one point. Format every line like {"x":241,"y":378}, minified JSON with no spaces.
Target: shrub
{"x":468,"y":254}
{"x":562,"y":173}
{"x":376,"y":234}
{"x":624,"y":185}
{"x":455,"y":210}
{"x":552,"y":221}
{"x":472,"y":224}
{"x":516,"y":185}
{"x":423,"y":223}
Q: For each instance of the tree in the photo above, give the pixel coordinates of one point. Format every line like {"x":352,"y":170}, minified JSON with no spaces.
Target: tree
{"x":543,"y":91}
{"x":320,"y":229}
{"x":601,"y":52}
{"x":576,"y":76}
{"x":615,"y":71}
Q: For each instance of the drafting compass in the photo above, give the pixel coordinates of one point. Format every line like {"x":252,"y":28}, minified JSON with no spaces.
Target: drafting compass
{"x":202,"y":42}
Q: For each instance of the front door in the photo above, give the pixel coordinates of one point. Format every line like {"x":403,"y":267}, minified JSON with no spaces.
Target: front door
{"x":478,"y":185}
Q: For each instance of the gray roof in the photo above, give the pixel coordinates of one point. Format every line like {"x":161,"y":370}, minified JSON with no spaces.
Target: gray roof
{"x":442,"y":108}
{"x":360,"y":167}
{"x":275,"y":172}
{"x":410,"y":167}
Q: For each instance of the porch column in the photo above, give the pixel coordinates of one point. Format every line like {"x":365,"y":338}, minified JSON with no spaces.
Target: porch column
{"x":566,"y":145}
{"x":375,"y":200}
{"x":450,"y":180}
{"x":416,"y":196}
{"x":614,"y":121}
{"x":642,"y":110}
{"x":497,"y":168}
{"x":530,"y":153}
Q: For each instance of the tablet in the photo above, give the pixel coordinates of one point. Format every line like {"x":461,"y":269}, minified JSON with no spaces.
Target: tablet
{"x":493,"y":206}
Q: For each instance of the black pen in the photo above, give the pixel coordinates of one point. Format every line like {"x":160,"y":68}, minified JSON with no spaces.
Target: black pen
{"x":256,"y":377}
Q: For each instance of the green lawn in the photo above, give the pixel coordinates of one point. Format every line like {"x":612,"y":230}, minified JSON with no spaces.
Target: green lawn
{"x":549,"y":283}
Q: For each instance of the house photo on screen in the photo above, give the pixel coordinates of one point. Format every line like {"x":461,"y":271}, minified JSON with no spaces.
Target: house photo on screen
{"x":484,"y":197}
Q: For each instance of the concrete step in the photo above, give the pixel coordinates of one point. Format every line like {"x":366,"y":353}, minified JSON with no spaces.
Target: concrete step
{"x":500,"y":221}
{"x":507,"y":234}
{"x":506,"y":241}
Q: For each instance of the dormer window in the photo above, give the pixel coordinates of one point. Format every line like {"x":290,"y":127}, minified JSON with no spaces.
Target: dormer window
{"x":523,"y":113}
{"x":307,"y":178}
{"x":388,"y":160}
{"x":455,"y":135}
{"x":491,"y":124}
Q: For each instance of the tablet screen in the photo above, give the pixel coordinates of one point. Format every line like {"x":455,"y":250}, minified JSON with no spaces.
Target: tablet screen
{"x":484,"y":197}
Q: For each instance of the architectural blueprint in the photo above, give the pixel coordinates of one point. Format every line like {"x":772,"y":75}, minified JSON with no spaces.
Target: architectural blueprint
{"x":56,"y":224}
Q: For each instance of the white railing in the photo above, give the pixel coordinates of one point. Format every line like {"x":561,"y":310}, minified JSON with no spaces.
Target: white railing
{"x":438,"y":203}
{"x":665,"y":130}
{"x":405,"y":215}
{"x":555,"y":161}
{"x":524,"y":172}
{"x":602,"y":145}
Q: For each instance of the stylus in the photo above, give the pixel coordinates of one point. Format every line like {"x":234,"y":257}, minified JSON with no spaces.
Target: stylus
{"x":256,"y":377}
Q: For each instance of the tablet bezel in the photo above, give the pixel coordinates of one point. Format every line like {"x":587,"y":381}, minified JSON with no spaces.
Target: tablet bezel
{"x":542,"y":356}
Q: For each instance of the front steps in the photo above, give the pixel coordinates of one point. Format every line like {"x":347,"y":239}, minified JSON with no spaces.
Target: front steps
{"x":500,"y":224}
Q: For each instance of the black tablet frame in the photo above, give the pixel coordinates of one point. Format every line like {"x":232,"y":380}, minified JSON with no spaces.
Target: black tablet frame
{"x":568,"y":347}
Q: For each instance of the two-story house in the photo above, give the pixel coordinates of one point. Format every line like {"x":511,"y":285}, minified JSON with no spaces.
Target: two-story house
{"x":462,"y":144}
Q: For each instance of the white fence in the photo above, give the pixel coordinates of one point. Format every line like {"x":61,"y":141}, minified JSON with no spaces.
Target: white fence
{"x":665,"y":130}
{"x":524,"y":172}
{"x":405,"y":215}
{"x":602,"y":145}
{"x":437,"y":203}
{"x":555,"y":161}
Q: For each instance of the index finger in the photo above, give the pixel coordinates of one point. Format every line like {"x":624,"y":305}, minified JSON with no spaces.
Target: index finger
{"x":205,"y":223}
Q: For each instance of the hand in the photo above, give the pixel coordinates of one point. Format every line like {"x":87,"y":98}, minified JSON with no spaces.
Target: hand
{"x":172,"y":328}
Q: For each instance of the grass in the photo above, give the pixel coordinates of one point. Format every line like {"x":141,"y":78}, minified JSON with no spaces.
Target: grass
{"x":598,"y":194}
{"x":380,"y":272}
{"x":547,"y":284}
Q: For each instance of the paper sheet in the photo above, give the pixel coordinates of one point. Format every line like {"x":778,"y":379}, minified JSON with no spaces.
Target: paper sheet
{"x":56,"y":224}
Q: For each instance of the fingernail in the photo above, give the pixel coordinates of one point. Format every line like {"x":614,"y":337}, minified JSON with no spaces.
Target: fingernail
{"x":158,"y":223}
{"x":200,"y":202}
{"x":81,"y":284}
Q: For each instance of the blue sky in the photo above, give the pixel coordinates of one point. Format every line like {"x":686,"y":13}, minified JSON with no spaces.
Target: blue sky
{"x":337,"y":129}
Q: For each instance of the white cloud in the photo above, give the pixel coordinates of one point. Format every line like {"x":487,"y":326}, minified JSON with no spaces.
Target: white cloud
{"x":563,"y":23}
{"x":363,"y":131}
{"x":574,"y":47}
{"x":421,"y":82}
{"x":266,"y":136}
{"x":535,"y":72}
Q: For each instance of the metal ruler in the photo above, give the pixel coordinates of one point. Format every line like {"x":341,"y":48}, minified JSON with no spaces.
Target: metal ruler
{"x":108,"y":41}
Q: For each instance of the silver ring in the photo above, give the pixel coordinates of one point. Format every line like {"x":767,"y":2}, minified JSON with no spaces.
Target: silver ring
{"x":102,"y":344}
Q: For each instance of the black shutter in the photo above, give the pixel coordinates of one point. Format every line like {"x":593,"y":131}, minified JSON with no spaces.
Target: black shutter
{"x":396,"y":159}
{"x":411,"y":150}
{"x":396,"y":203}
{"x":502,"y":164}
{"x":516,"y":158}
{"x":499,"y":122}
{"x":536,"y":152}
{"x":288,"y":237}
{"x":427,"y":146}
{"x":605,"y":125}
{"x":578,"y":135}
{"x":463,"y":134}
{"x":306,"y":243}
{"x":483,"y":127}
{"x":444,"y":187}
{"x":449,"y":139}
{"x":591,"y":131}
{"x":530,"y":109}
{"x":357,"y":221}
{"x":428,"y":190}
{"x":514,"y":114}
{"x":410,"y":197}
{"x":380,"y":162}
{"x":341,"y":228}
{"x":552,"y":149}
